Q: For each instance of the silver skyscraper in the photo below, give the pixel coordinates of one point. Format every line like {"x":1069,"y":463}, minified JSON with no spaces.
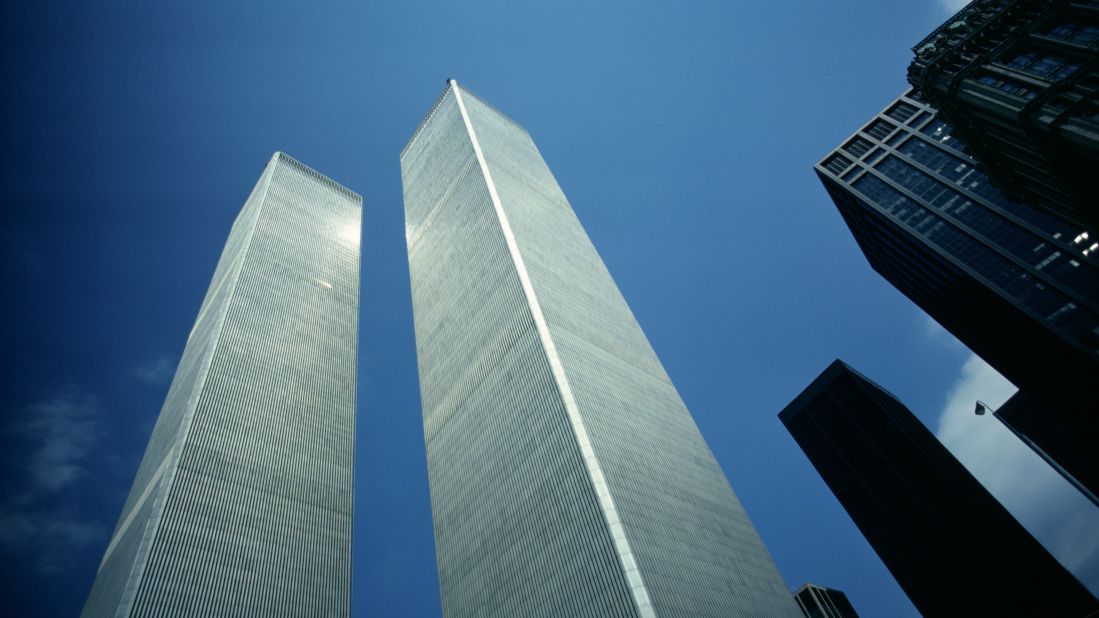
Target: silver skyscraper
{"x":242,"y":503}
{"x":567,"y":477}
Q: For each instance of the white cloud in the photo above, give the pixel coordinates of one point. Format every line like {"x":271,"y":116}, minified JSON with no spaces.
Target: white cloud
{"x":156,"y":370}
{"x":1062,"y":519}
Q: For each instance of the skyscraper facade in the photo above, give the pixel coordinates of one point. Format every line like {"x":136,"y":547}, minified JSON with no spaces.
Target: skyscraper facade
{"x":1016,"y":285}
{"x":819,"y":602}
{"x":242,"y":502}
{"x":951,"y":546}
{"x":567,"y":477}
{"x":1019,"y":81}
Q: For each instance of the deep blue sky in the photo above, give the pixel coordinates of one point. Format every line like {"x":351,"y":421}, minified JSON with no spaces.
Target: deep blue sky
{"x":682,"y":133}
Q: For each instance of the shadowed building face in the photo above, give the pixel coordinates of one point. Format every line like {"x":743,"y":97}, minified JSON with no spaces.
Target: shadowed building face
{"x":938,"y":530}
{"x":820,"y":602}
{"x":1016,"y":285}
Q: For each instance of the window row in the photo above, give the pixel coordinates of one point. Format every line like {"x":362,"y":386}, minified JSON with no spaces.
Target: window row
{"x":1047,"y":66}
{"x":1074,"y":32}
{"x":1009,"y":86}
{"x":992,"y":226}
{"x":1015,"y":282}
{"x":942,"y":163}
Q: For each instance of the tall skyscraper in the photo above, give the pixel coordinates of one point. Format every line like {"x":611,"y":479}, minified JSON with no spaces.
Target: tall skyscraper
{"x":1019,"y":81}
{"x":1016,"y":285}
{"x":567,"y":477}
{"x":820,"y":602}
{"x":951,"y":546}
{"x":242,"y":503}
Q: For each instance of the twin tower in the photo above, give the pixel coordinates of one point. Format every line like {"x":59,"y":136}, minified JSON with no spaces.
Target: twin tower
{"x":567,"y":476}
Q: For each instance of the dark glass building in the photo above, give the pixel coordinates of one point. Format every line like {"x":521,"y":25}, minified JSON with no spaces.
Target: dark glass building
{"x":820,"y":602}
{"x":1015,"y":284}
{"x":1018,"y":80}
{"x":951,"y":546}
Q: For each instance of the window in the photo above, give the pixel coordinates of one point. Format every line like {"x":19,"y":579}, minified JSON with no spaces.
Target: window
{"x":837,"y":163}
{"x":1088,"y":35}
{"x":1047,"y":66}
{"x":1061,"y":31}
{"x":880,"y":129}
{"x":941,"y":132}
{"x":1023,"y":60}
{"x":1007,"y":85}
{"x":901,"y":111}
{"x":1074,"y":32}
{"x":858,"y":146}
{"x":920,"y":119}
{"x":1062,"y":102}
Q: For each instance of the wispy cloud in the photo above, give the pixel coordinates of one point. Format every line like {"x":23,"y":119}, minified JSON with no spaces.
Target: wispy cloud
{"x":938,"y":334}
{"x":1063,"y":520}
{"x":156,"y":370}
{"x":949,"y":7}
{"x":47,"y":537}
{"x":55,"y":438}
{"x":61,"y":431}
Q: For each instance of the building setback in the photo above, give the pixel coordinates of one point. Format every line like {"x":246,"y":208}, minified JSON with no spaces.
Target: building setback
{"x":945,"y":539}
{"x":242,"y":502}
{"x":1016,"y":285}
{"x":820,"y":602}
{"x":567,"y":477}
{"x":1019,"y":81}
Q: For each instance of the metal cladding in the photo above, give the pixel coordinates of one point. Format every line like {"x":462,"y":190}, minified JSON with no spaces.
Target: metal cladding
{"x":242,"y":504}
{"x":567,"y":477}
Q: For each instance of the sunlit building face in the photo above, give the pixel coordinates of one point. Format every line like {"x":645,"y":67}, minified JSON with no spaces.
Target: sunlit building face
{"x":567,"y":477}
{"x":242,"y":503}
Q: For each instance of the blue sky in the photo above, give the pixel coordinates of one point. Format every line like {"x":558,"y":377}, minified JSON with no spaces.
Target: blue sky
{"x":682,"y":133}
